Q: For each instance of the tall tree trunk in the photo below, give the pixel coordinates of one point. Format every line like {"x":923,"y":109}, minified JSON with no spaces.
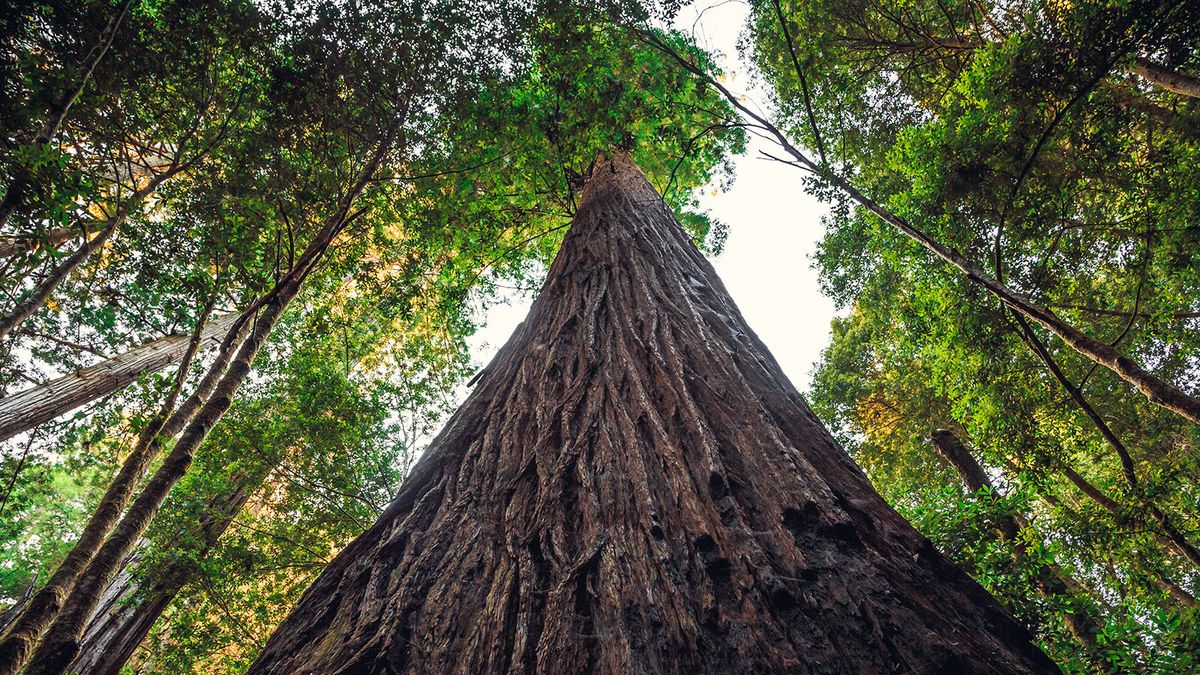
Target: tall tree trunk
{"x":1051,"y":581}
{"x":1128,"y":467}
{"x":1165,"y":78}
{"x":1155,"y":576}
{"x":1154,"y":388}
{"x":19,"y":638}
{"x":14,"y":194}
{"x":60,"y":645}
{"x":634,"y":486}
{"x":27,"y":409}
{"x":37,"y":297}
{"x":119,"y":599}
{"x":122,"y":621}
{"x":1128,"y":97}
{"x":1169,"y":537}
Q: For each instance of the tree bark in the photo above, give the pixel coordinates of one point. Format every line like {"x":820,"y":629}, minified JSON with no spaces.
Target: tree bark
{"x":635,"y":487}
{"x":12,"y":612}
{"x":61,"y":642}
{"x":1052,"y":582}
{"x":27,"y":409}
{"x":118,"y":626}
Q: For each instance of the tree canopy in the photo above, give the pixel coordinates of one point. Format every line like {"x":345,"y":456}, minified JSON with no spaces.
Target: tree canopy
{"x":384,"y":164}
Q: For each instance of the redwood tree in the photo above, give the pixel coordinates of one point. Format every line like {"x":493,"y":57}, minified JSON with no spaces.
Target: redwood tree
{"x":635,"y":486}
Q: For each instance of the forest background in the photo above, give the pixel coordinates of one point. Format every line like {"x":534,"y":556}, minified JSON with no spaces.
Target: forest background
{"x":299,"y":213}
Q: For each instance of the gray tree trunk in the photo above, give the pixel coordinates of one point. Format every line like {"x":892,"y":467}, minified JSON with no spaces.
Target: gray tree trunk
{"x":27,"y":409}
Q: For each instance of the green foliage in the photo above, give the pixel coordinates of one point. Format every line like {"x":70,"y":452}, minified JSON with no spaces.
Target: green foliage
{"x":1016,"y":133}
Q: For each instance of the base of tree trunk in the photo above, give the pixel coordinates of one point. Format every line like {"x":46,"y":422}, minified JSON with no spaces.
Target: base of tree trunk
{"x":635,"y":487}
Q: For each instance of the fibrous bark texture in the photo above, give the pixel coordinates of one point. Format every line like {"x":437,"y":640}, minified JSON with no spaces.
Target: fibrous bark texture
{"x":635,"y":487}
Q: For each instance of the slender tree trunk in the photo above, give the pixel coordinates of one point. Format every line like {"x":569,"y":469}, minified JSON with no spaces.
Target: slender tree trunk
{"x":18,"y":641}
{"x":1135,"y":100}
{"x":1165,"y":78}
{"x":119,"y":599}
{"x":1170,"y":537}
{"x":121,"y":623}
{"x":38,"y":296}
{"x":1157,"y":390}
{"x":40,"y":293}
{"x":1128,"y":467}
{"x":1051,"y":581}
{"x":635,"y":487}
{"x":14,"y":194}
{"x":60,"y":645}
{"x":1174,"y":590}
{"x":27,"y":409}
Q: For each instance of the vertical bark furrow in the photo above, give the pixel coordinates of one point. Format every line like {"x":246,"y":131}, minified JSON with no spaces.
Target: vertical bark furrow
{"x":635,"y":486}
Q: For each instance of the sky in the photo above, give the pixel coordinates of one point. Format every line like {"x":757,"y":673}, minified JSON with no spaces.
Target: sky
{"x":774,"y":228}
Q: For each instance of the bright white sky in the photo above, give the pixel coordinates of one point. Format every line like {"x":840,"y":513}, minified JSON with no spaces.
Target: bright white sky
{"x":774,"y":228}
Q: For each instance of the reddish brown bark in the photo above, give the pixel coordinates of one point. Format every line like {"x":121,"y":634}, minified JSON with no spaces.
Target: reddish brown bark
{"x":60,"y":644}
{"x":635,"y":487}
